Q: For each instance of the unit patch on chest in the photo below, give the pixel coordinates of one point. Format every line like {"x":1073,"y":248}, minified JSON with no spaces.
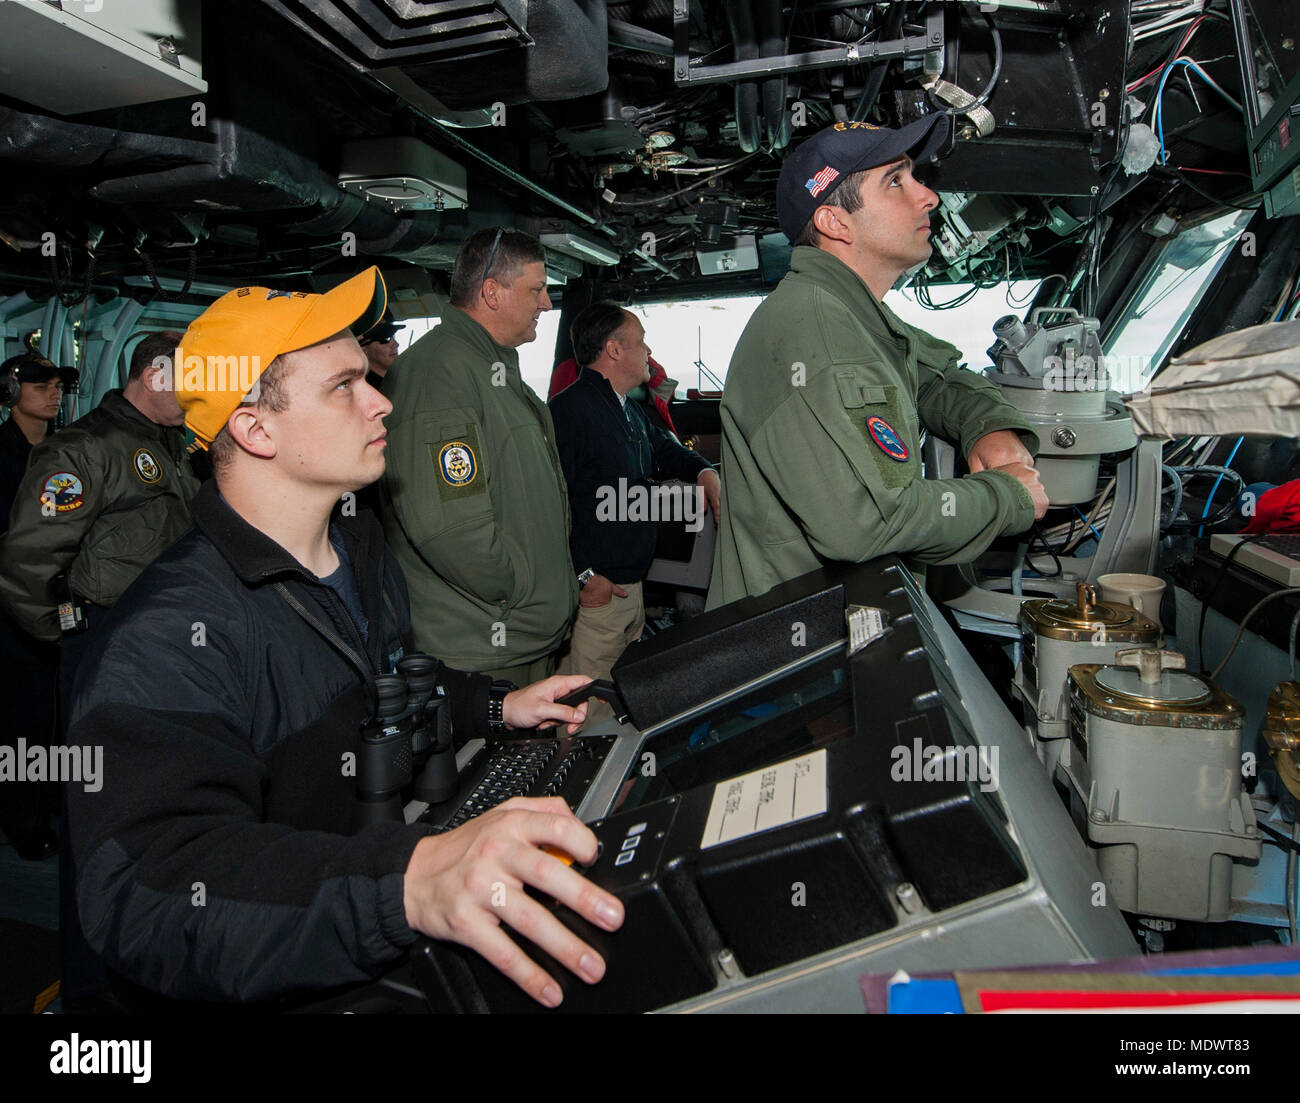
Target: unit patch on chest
{"x":146,"y":466}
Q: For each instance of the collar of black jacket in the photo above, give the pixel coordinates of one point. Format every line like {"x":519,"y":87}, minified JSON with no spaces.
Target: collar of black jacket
{"x":592,"y":378}
{"x":14,"y":437}
{"x":256,"y":558}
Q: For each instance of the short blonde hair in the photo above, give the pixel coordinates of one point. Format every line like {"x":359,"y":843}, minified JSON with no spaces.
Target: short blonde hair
{"x":272,"y":395}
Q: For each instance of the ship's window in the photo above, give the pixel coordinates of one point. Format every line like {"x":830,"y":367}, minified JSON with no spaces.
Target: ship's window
{"x":1164,"y":299}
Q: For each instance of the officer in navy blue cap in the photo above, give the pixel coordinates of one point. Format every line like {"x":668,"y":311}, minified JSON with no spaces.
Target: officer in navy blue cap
{"x":817,"y":173}
{"x":828,"y":390}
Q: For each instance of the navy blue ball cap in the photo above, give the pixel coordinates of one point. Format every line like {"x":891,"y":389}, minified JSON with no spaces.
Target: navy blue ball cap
{"x":383,"y":330}
{"x":814,"y":169}
{"x":32,"y":367}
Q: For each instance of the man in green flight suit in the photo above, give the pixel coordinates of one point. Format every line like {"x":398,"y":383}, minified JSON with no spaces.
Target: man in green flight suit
{"x":100,"y":501}
{"x":474,"y":501}
{"x":827,"y":390}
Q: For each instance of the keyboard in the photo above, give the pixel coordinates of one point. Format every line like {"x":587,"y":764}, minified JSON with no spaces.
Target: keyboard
{"x":562,"y":767}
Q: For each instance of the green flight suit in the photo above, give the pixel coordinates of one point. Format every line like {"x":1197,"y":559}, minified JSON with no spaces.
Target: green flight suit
{"x":100,"y":501}
{"x":474,"y":502}
{"x":825,"y":400}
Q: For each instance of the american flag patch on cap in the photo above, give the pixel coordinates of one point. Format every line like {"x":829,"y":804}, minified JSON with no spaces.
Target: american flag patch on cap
{"x":819,"y":183}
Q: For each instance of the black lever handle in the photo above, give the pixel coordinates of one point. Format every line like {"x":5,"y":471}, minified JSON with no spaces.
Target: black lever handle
{"x":600,"y":689}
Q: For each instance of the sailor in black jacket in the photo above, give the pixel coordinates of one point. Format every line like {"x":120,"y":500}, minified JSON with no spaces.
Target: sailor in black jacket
{"x":228,"y":692}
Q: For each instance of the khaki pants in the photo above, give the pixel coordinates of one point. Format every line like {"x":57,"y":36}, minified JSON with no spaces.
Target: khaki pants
{"x":600,"y":635}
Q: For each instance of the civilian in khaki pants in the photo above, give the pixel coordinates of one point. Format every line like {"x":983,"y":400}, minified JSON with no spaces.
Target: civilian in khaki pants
{"x":612,"y":454}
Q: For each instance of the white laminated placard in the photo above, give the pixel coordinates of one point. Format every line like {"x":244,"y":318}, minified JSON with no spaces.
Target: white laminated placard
{"x":866,"y":623}
{"x":771,"y":797}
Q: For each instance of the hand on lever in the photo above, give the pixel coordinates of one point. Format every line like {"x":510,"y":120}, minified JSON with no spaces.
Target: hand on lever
{"x":467,"y":886}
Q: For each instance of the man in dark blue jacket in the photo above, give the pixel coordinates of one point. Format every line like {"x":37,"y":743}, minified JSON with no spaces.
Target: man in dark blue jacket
{"x":613,"y":455}
{"x":215,"y":853}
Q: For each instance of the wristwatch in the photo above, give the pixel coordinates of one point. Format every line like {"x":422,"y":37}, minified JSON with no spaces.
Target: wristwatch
{"x":496,"y":706}
{"x":586,"y":577}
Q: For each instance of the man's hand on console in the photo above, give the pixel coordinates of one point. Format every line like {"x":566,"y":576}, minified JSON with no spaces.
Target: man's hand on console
{"x":534,"y":706}
{"x":464,"y":885}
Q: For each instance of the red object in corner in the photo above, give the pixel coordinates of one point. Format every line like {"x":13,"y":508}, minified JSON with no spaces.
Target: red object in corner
{"x":1277,"y":510}
{"x":566,"y":373}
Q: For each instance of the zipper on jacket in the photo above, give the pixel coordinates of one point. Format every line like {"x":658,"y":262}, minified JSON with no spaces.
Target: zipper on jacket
{"x":357,"y":660}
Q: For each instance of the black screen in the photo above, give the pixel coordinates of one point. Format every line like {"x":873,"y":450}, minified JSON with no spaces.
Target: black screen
{"x":806,"y":709}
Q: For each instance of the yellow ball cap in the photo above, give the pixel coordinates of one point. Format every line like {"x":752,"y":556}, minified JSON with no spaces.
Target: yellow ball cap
{"x":229,"y":345}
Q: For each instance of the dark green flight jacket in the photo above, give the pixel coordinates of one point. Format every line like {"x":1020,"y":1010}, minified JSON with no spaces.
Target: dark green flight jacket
{"x":100,"y":500}
{"x":825,"y":399}
{"x":474,"y":501}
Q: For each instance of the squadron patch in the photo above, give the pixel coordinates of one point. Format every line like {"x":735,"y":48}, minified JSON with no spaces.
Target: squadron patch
{"x":457,"y":464}
{"x":146,"y":466}
{"x":887,"y":440}
{"x":63,"y":491}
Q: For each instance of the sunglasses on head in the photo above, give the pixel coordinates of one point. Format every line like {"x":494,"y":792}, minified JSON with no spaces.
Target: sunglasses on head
{"x":492,"y":255}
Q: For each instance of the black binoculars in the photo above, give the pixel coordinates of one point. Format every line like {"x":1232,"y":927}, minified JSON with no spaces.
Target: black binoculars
{"x":409,"y":739}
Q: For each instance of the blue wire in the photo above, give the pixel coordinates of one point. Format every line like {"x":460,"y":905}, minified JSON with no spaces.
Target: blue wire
{"x":1160,"y":91}
{"x":1085,"y":521}
{"x":1226,"y":463}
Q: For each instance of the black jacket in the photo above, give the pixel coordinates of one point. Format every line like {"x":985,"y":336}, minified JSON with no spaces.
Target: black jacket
{"x":214,"y":861}
{"x":599,"y":444}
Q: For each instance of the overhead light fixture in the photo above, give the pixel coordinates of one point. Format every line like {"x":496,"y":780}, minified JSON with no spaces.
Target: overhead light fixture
{"x":403,"y":174}
{"x":582,"y":247}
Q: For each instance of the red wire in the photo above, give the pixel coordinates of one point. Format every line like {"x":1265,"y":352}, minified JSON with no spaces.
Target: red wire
{"x":1212,"y":172}
{"x":1181,"y":46}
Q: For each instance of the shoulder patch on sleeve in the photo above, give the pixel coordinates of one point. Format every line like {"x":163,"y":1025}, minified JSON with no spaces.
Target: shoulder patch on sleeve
{"x":887,"y":440}
{"x":63,"y":492}
{"x":457,"y":463}
{"x":885,"y":430}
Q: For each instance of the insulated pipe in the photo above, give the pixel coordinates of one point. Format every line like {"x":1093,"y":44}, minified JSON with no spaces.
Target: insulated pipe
{"x":741,"y":21}
{"x":772,"y":43}
{"x":871,"y":90}
{"x":47,"y":325}
{"x":69,"y":359}
{"x":52,"y":339}
{"x":14,"y":304}
{"x":106,"y":371}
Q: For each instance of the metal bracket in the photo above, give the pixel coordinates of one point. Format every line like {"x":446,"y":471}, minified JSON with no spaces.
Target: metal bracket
{"x":688,"y":70}
{"x":169,"y":53}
